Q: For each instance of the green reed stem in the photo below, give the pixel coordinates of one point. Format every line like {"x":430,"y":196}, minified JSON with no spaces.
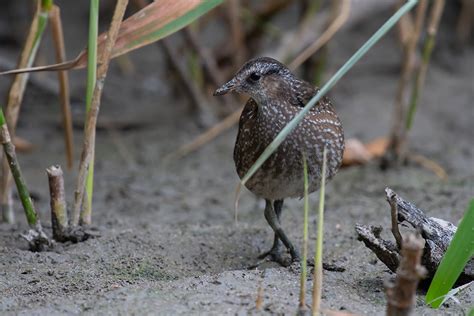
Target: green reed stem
{"x":302,"y":305}
{"x":324,"y":90}
{"x":9,"y":149}
{"x":91,"y":81}
{"x":318,"y":255}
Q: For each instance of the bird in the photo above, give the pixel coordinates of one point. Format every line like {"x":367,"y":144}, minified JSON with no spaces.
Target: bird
{"x":276,"y":96}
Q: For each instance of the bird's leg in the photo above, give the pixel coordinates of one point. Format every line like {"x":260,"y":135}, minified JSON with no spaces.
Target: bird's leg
{"x":275,"y":251}
{"x":273,"y":221}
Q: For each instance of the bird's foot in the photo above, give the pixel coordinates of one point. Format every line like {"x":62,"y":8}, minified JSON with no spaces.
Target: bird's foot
{"x":273,"y":255}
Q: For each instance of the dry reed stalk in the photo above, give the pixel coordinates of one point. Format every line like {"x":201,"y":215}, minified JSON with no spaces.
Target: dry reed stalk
{"x":90,"y":130}
{"x":432,"y":30}
{"x":57,"y":31}
{"x":344,"y":11}
{"x":397,"y":135}
{"x":236,"y":32}
{"x":12,"y":110}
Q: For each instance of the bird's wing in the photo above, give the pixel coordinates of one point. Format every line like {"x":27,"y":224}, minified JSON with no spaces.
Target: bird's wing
{"x":305,"y":91}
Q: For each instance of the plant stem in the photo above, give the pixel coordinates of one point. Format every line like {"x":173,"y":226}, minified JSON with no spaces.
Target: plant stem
{"x":9,"y":149}
{"x":397,"y":148}
{"x":435,"y":18}
{"x":334,"y":79}
{"x":58,"y":202}
{"x":58,"y":39}
{"x":318,"y":255}
{"x":16,"y":93}
{"x":302,"y":306}
{"x":91,"y":83}
{"x":91,"y":121}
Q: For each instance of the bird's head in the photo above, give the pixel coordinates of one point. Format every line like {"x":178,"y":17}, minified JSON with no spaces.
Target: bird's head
{"x":260,"y":78}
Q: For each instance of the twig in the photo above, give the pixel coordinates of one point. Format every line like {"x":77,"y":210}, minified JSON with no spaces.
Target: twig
{"x":208,"y":135}
{"x":302,"y":308}
{"x":429,"y":164}
{"x":36,"y":237}
{"x":89,"y":134}
{"x":397,"y":141}
{"x":57,"y":30}
{"x":59,"y":216}
{"x":206,"y":56}
{"x":394,"y":215}
{"x":345,"y":9}
{"x":190,"y":86}
{"x":401,"y":295}
{"x":435,"y":17}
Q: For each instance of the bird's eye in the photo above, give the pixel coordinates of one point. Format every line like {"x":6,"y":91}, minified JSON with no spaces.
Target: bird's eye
{"x":254,"y":76}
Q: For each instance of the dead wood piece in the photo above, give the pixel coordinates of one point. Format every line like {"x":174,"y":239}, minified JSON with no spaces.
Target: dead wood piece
{"x":401,"y":295}
{"x":436,"y":232}
{"x":385,"y":250}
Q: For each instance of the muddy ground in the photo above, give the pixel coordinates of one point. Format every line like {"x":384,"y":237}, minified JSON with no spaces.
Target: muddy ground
{"x":169,"y":244}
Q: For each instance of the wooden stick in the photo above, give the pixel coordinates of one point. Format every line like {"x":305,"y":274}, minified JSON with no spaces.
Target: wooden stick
{"x":57,"y":30}
{"x":89,"y":134}
{"x":401,"y":295}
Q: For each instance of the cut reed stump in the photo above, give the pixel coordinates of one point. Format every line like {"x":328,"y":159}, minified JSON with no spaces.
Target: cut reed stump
{"x":436,"y":232}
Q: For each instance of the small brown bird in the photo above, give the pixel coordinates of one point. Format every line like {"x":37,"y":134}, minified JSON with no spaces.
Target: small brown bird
{"x":276,"y":96}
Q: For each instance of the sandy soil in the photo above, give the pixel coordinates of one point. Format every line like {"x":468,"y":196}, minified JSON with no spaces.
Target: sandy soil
{"x":168,"y":242}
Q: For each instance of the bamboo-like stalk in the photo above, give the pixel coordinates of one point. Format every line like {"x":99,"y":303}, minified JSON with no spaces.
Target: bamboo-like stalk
{"x":36,"y":238}
{"x":302,"y":309}
{"x":91,"y":122}
{"x":318,"y":255}
{"x":324,"y":90}
{"x":9,"y":149}
{"x":15,"y":96}
{"x":397,"y":141}
{"x":63,"y":78}
{"x":91,"y":85}
{"x":435,"y":18}
{"x":59,"y":216}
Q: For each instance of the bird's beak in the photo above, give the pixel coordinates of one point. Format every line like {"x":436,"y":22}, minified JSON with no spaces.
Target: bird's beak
{"x":226,"y":88}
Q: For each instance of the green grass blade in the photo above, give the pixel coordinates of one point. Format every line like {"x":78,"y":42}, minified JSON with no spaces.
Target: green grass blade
{"x":318,"y":255}
{"x":302,"y":305}
{"x":459,"y":252}
{"x":324,"y":90}
{"x":91,"y":81}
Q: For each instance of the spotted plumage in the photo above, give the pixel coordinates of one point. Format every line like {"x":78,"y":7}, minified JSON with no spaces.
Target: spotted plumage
{"x":276,"y":96}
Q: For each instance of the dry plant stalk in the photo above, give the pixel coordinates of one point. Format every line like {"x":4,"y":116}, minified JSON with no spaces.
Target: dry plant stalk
{"x":57,"y":31}
{"x":398,"y":132}
{"x":236,"y":31}
{"x":12,"y":110}
{"x":190,"y":86}
{"x":401,"y":294}
{"x":91,"y":122}
{"x":344,"y":11}
{"x":432,"y":30}
{"x":59,"y":216}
